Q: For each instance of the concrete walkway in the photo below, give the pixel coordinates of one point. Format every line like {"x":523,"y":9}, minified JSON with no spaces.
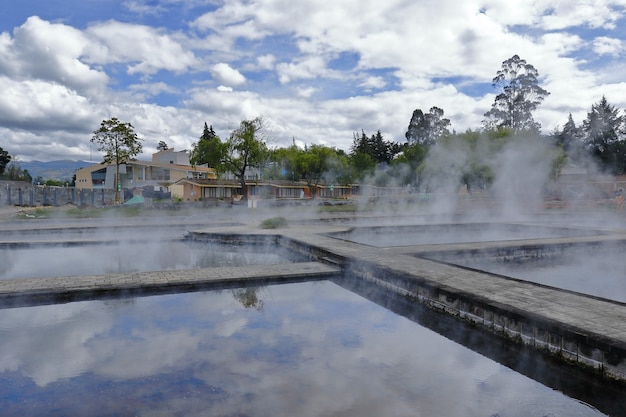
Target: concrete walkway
{"x":62,"y":289}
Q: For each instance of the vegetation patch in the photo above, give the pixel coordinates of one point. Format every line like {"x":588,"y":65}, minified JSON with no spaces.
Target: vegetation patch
{"x":338,"y":208}
{"x":274,"y":223}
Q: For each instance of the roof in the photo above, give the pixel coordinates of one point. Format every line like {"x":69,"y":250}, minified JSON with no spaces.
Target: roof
{"x":209,"y":183}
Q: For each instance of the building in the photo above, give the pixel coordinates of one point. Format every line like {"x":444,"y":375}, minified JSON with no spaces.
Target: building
{"x":193,"y":189}
{"x":166,"y":168}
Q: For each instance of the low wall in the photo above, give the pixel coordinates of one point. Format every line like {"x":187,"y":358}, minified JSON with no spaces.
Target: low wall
{"x":595,"y":352}
{"x":38,"y":195}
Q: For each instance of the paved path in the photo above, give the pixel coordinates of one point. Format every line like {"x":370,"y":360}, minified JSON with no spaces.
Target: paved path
{"x":55,"y":289}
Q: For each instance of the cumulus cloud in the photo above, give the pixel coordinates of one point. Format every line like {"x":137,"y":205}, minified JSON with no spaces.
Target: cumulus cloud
{"x":603,"y":45}
{"x":51,"y":52}
{"x":144,"y":49}
{"x":305,"y":92}
{"x":373,"y":83}
{"x":37,"y":106}
{"x":266,"y":61}
{"x":226,"y":74}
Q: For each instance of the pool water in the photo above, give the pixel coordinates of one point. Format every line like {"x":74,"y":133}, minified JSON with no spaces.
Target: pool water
{"x":431,"y":234}
{"x":124,"y":256}
{"x":303,"y":349}
{"x":599,"y":273}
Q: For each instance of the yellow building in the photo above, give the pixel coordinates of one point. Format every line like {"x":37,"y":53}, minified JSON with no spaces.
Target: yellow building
{"x":166,"y":168}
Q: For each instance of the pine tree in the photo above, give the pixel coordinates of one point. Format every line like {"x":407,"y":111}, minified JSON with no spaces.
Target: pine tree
{"x":603,"y":136}
{"x":208,"y":150}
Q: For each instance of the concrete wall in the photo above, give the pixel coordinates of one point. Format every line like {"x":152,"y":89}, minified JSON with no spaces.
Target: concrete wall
{"x":22,"y":194}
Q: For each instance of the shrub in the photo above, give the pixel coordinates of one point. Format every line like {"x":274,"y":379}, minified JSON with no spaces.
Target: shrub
{"x":274,"y":223}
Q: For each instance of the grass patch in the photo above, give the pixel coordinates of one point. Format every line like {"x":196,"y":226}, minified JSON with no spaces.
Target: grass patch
{"x":338,"y":208}
{"x":274,"y":223}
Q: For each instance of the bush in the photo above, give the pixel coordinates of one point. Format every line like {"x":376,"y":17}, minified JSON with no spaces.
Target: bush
{"x":274,"y":223}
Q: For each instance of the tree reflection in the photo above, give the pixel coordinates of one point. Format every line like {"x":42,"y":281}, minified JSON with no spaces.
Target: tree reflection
{"x":249,"y":297}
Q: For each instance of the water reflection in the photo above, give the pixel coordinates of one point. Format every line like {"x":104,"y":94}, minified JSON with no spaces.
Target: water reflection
{"x":430,"y":234}
{"x":93,"y":259}
{"x":313,"y":349}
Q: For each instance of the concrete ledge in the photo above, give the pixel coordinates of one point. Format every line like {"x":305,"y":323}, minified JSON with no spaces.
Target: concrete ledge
{"x":33,"y":291}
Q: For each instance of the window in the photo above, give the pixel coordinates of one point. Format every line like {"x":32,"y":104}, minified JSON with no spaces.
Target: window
{"x":160,"y":174}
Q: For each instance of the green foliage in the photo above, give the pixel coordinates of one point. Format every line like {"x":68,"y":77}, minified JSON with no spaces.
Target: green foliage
{"x":519,"y":94}
{"x":53,"y":183}
{"x":375,"y":147}
{"x":316,"y":163}
{"x":603,"y":136}
{"x":117,"y":140}
{"x":208,"y":150}
{"x":14,"y":172}
{"x":245,"y":148}
{"x":5,"y":158}
{"x":338,"y":208}
{"x":406,"y":166}
{"x":274,"y":223}
{"x":362,"y":164}
{"x":426,"y":129}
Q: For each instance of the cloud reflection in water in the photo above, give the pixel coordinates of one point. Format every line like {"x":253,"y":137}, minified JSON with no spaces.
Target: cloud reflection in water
{"x":313,"y":349}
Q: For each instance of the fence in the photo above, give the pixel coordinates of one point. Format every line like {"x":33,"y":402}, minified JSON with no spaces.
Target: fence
{"x":21,"y":194}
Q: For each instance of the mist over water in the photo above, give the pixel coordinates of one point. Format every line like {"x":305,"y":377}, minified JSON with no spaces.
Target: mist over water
{"x":137,"y":256}
{"x":600,"y":272}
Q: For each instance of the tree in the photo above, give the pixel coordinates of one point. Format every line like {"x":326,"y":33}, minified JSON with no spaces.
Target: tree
{"x":5,"y":158}
{"x":405,"y":166}
{"x":119,"y":142}
{"x":426,"y":129}
{"x":379,"y":150}
{"x":603,"y":129}
{"x":208,"y":150}
{"x":162,"y":146}
{"x":570,"y":139}
{"x":14,"y":172}
{"x":519,"y":94}
{"x":318,"y":162}
{"x":244,"y":149}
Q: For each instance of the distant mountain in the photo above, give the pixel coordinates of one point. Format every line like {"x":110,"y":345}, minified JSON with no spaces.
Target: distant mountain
{"x":62,"y":170}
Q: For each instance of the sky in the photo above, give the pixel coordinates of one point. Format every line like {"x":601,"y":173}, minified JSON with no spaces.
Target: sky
{"x":317,"y":72}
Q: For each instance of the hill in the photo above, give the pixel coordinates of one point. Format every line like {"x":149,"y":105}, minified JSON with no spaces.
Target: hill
{"x":62,"y":170}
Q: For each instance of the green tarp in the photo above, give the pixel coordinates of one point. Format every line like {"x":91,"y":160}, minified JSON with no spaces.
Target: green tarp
{"x":138,"y":199}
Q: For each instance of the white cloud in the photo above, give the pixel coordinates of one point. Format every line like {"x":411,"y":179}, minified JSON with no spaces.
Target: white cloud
{"x":305,"y":92}
{"x":303,"y":69}
{"x":144,"y":49}
{"x":52,"y":52}
{"x":226,"y":74}
{"x":266,"y":61}
{"x":373,"y":83}
{"x":603,"y":45}
{"x":38,"y":106}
